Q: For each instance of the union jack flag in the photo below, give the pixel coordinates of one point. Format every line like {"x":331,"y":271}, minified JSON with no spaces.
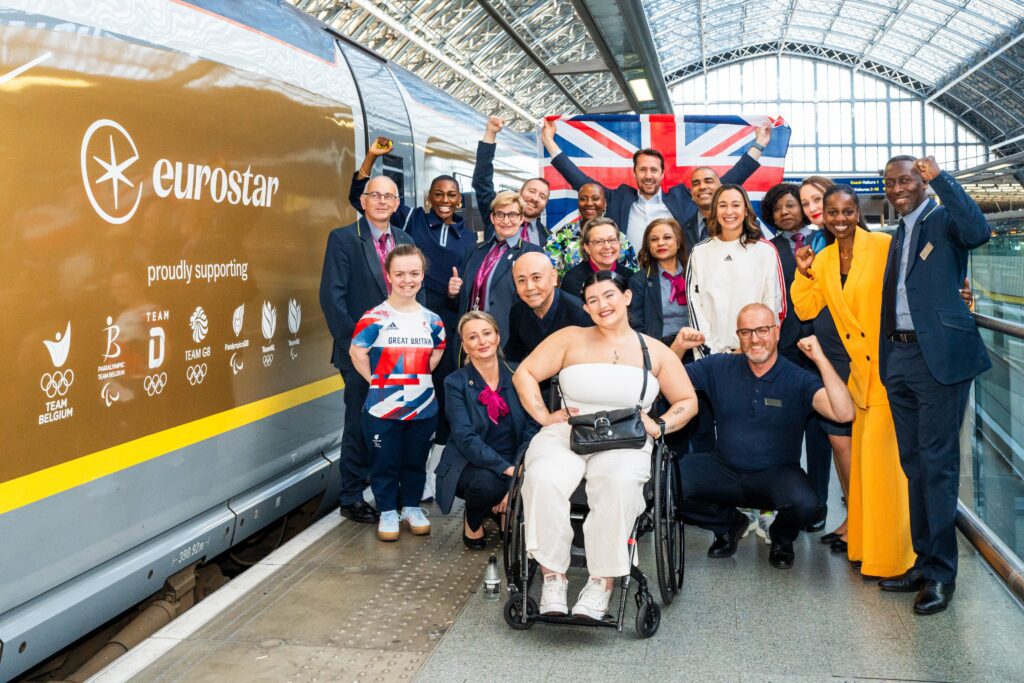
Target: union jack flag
{"x":602,"y":146}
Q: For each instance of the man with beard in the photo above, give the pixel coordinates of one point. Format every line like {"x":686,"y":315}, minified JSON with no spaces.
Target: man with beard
{"x":761,"y":402}
{"x":542,"y":307}
{"x":633,"y":208}
{"x":534,"y":191}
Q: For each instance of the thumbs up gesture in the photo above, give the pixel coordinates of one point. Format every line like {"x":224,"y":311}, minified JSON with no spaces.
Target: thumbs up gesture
{"x":454,"y":283}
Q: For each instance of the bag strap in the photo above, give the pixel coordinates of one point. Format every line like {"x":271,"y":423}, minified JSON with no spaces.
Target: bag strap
{"x":647,"y":367}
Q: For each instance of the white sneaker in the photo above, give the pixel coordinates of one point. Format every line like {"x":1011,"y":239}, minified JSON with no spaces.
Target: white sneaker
{"x":387,"y":527}
{"x":553,"y":598}
{"x":752,"y":523}
{"x":593,"y":600}
{"x":764,"y":521}
{"x":416,"y":519}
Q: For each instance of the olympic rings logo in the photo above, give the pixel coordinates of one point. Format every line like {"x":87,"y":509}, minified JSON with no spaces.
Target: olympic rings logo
{"x":154,"y":384}
{"x":268,"y":359}
{"x":196,"y":374}
{"x":58,"y":383}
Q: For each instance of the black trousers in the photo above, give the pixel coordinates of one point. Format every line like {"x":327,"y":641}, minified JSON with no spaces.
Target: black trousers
{"x":449,"y":360}
{"x":482,"y":489}
{"x":927,"y":416}
{"x":819,"y":449}
{"x":354,"y":461}
{"x":713,"y":489}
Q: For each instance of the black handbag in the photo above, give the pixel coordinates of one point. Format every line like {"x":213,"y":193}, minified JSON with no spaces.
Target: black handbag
{"x":609,"y":429}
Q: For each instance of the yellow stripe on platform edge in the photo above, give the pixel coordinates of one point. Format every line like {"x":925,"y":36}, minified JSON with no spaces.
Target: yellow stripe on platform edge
{"x":30,"y":488}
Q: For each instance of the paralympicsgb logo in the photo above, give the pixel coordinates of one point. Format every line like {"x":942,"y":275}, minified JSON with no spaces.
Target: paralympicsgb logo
{"x":108,"y":152}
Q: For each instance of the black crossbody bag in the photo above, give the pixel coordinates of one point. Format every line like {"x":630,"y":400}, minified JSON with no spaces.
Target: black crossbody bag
{"x":609,"y":429}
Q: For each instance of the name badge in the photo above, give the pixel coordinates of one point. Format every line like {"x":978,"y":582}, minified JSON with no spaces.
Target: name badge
{"x":926,"y":251}
{"x":773,"y":402}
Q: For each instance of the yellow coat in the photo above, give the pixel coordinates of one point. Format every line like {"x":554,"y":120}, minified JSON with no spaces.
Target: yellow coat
{"x":856,"y":308}
{"x":878,"y":529}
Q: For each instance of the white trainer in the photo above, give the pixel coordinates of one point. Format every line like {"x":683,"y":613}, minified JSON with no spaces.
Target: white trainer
{"x":553,"y":598}
{"x":416,"y":519}
{"x":387,"y":527}
{"x":764,"y":521}
{"x":593,"y":600}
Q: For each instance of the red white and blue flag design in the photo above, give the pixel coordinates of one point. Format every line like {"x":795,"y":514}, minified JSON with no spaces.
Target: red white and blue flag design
{"x":400,"y":346}
{"x":602,"y":146}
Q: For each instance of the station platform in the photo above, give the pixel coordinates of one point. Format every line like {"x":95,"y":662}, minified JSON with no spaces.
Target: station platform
{"x":335,"y":604}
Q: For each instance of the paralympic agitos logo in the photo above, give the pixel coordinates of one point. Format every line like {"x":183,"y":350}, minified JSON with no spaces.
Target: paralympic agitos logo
{"x":114,"y":185}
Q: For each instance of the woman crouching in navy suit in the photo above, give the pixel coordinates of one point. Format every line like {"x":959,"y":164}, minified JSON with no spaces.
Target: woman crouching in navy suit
{"x":489,"y":429}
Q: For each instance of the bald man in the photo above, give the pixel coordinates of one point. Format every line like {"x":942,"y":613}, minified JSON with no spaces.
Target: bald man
{"x":353,"y":282}
{"x":761,"y":402}
{"x":542,"y":307}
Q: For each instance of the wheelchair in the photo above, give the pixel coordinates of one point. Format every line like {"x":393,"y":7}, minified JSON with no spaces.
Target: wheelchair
{"x":662,"y":516}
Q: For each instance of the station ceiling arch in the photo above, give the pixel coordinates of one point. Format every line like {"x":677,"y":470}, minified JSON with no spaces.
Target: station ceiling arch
{"x":526,"y":58}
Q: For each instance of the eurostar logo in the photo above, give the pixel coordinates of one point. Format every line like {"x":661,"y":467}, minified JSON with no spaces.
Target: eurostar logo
{"x":108,"y":152}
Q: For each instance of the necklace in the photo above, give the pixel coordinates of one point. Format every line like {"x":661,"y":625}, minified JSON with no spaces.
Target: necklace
{"x":846,"y":254}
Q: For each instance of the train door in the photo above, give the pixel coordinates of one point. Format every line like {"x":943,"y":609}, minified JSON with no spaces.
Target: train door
{"x":385,"y":114}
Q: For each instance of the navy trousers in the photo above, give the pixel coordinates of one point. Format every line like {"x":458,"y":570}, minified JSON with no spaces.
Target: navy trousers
{"x":354,"y":461}
{"x":927,"y":416}
{"x":819,"y":461}
{"x":482,"y":489}
{"x":713,"y":489}
{"x":399,"y":449}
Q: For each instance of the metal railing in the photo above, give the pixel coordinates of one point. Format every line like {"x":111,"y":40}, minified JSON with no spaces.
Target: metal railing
{"x":1003,"y":560}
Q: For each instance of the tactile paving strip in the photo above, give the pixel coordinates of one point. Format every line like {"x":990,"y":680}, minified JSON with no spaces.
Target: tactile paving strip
{"x":347,"y":608}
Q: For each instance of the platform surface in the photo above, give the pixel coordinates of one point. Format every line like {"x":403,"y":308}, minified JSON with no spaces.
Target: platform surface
{"x":350,"y":608}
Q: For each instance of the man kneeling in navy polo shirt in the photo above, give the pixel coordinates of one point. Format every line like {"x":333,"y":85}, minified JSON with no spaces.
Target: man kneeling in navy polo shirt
{"x":761,"y":403}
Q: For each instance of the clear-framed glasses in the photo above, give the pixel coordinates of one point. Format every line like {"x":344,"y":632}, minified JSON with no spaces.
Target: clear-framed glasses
{"x":510,"y":216}
{"x":603,"y":243}
{"x":746,"y":332}
{"x":378,"y":196}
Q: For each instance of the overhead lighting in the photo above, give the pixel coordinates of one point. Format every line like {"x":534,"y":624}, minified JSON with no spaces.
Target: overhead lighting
{"x":641,"y":89}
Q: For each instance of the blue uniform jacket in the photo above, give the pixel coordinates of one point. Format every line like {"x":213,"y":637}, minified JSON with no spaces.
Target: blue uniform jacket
{"x":483,"y":186}
{"x":645,"y":311}
{"x":352,"y":282}
{"x":468,"y":420}
{"x":946,"y":331}
{"x":677,"y":199}
{"x":793,"y":329}
{"x":424,"y":227}
{"x":502,"y":292}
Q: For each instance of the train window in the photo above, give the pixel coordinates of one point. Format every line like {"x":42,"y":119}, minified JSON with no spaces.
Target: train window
{"x":393,"y":167}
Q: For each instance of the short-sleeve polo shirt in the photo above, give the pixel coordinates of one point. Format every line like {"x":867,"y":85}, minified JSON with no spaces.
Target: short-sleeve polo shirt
{"x":759,"y":420}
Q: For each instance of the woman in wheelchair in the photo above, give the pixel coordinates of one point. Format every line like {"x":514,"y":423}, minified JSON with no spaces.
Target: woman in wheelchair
{"x":489,"y":429}
{"x":600,"y":368}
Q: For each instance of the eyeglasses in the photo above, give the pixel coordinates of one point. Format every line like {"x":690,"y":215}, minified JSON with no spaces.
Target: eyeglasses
{"x":602,"y":243}
{"x":502,"y":216}
{"x":744,"y":333}
{"x":377,"y":196}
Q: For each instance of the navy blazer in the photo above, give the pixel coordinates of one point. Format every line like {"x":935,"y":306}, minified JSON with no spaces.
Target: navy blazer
{"x":502,"y":292}
{"x":677,"y":199}
{"x":468,"y":420}
{"x":352,"y":282}
{"x":645,"y":310}
{"x":793,"y":329}
{"x":424,"y":227}
{"x":483,"y":186}
{"x":946,"y":331}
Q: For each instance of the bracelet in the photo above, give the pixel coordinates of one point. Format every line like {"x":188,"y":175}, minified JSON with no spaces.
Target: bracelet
{"x":758,"y":146}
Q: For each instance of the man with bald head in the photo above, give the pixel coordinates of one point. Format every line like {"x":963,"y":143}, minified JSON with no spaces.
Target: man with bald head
{"x":353,"y":282}
{"x":542,"y":307}
{"x":761,"y":402}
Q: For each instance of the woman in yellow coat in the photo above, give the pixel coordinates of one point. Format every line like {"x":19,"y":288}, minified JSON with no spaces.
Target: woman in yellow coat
{"x":847,"y":277}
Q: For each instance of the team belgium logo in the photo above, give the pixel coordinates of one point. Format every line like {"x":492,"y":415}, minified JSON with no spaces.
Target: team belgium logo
{"x":113,"y":181}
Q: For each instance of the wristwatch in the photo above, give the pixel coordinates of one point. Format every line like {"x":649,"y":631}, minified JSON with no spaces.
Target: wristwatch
{"x":661,"y":423}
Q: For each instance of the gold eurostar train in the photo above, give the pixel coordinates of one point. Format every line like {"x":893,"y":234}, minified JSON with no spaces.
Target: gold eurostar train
{"x":171,"y":171}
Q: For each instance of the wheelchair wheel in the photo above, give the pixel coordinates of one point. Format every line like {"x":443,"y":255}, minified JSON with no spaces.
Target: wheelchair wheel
{"x":668,"y":527}
{"x":513,"y":611}
{"x":648,"y":618}
{"x":512,"y":542}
